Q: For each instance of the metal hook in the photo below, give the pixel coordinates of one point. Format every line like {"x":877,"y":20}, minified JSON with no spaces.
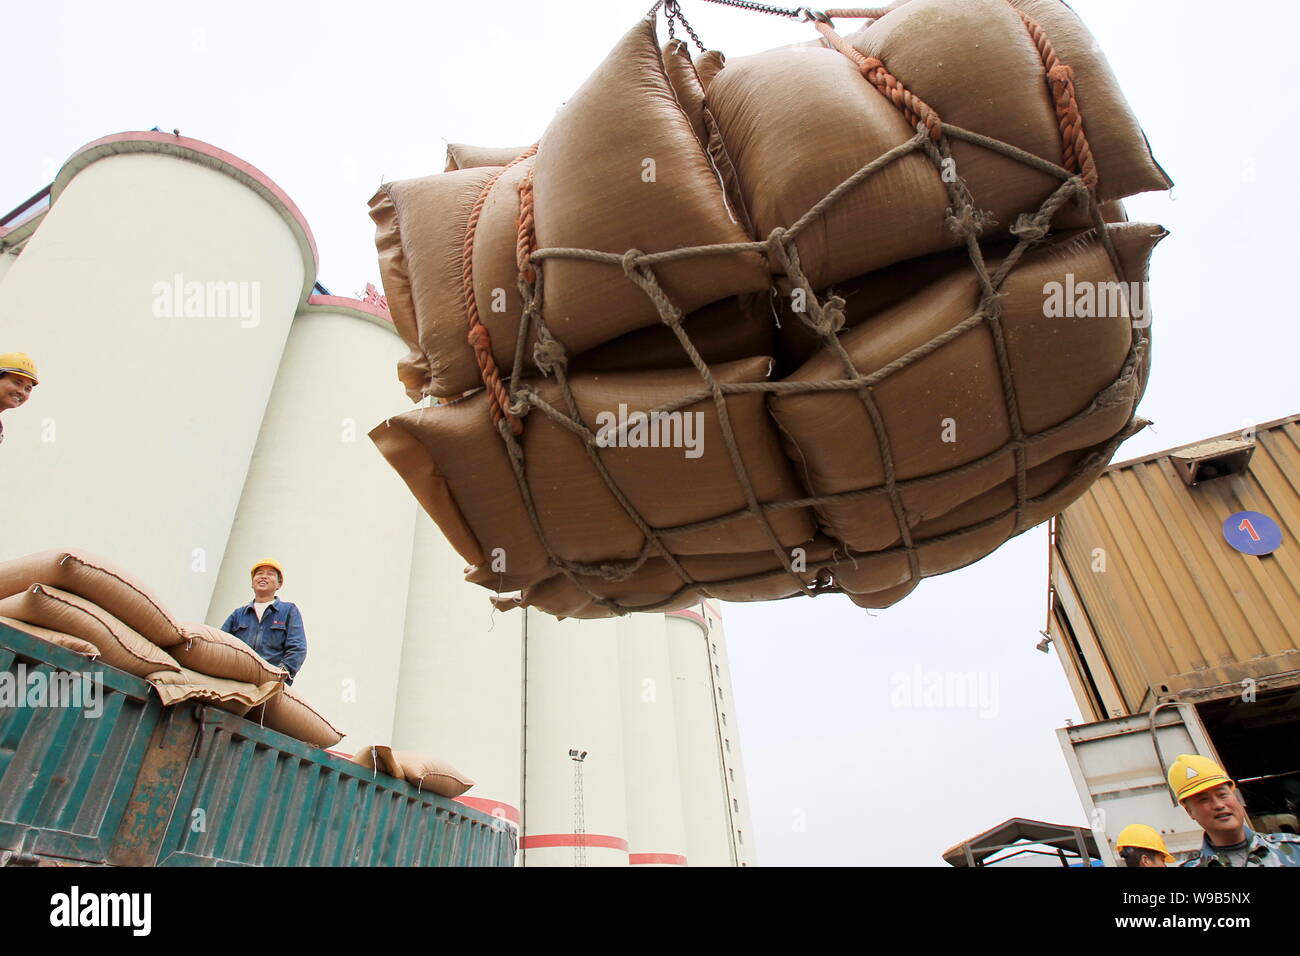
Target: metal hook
{"x":808,"y":15}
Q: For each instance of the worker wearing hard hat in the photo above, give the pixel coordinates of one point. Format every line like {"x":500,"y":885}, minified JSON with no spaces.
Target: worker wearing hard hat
{"x":271,"y":627}
{"x":1140,"y":845}
{"x":1212,"y":799}
{"x":17,"y":379}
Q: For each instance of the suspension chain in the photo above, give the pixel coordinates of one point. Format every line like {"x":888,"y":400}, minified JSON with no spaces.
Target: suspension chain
{"x":673,"y":11}
{"x":803,"y":14}
{"x":673,"y":14}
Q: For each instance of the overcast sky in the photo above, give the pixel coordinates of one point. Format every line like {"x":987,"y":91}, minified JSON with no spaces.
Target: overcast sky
{"x":329,"y":99}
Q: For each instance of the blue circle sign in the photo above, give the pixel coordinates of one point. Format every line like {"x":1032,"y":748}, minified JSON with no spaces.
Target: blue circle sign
{"x":1252,"y":533}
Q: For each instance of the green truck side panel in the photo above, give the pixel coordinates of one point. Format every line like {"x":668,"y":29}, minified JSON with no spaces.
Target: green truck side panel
{"x":192,"y":785}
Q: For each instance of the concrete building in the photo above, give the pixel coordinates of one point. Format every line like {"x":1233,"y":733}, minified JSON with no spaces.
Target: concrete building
{"x":204,"y":403}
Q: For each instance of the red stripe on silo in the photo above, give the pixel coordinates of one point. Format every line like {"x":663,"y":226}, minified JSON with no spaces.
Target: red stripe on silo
{"x":538,"y":840}
{"x":491,"y":806}
{"x":675,"y":859}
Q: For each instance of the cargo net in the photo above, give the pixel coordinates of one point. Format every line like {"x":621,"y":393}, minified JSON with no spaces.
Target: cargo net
{"x":824,"y":316}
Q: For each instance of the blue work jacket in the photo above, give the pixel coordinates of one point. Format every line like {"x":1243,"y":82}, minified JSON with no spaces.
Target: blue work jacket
{"x":279,"y":637}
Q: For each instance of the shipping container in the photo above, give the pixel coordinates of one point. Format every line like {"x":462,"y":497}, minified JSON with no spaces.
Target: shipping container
{"x":94,"y":770}
{"x":1174,"y":606}
{"x":1148,"y":596}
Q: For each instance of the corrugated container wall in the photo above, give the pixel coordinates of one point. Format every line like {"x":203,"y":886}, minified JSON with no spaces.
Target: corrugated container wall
{"x":1149,"y":599}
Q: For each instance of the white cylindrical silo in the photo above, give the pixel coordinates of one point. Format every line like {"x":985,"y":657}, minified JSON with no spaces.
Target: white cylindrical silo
{"x":460,"y":696}
{"x":155,"y":296}
{"x":572,"y":701}
{"x":323,"y":503}
{"x":733,"y":763}
{"x":656,"y":830}
{"x":701,"y":741}
{"x":7,"y":259}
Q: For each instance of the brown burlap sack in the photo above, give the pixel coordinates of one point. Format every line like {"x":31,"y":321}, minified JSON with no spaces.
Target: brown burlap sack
{"x":378,"y":758}
{"x":622,"y":145}
{"x":54,"y":637}
{"x":581,"y":519}
{"x":118,"y":645}
{"x":98,"y":581}
{"x":461,"y":156}
{"x":291,"y":715}
{"x":429,"y":773}
{"x":918,"y":188}
{"x":237,"y":697}
{"x":211,"y":651}
{"x":976,"y":65}
{"x":961,"y":421}
{"x":420,"y":232}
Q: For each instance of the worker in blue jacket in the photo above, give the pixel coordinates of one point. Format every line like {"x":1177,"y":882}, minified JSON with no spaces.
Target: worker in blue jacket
{"x":271,"y":627}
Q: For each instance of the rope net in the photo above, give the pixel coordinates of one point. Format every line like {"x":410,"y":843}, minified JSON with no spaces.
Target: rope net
{"x":513,"y":399}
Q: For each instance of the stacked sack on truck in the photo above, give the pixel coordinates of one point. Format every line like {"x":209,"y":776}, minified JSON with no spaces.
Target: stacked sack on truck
{"x":420,"y":770}
{"x":810,"y":320}
{"x":80,"y":601}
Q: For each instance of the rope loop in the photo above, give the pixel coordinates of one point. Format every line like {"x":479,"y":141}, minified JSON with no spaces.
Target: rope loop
{"x":777,"y":252}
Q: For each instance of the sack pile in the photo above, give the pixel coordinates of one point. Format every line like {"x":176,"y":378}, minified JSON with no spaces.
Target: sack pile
{"x":424,"y":772}
{"x":833,"y":317}
{"x":82,"y":602}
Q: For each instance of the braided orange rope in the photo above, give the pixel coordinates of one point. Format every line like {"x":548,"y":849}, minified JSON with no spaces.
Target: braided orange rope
{"x":1076,"y":154}
{"x":526,"y":239}
{"x":478,"y":333}
{"x":873,"y":70}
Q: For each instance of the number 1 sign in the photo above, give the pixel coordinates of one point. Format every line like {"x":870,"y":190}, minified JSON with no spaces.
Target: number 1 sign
{"x":1252,"y":533}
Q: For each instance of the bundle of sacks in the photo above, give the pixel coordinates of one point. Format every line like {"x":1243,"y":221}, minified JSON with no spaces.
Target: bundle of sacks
{"x":918,"y":327}
{"x":424,"y":772}
{"x":80,"y":601}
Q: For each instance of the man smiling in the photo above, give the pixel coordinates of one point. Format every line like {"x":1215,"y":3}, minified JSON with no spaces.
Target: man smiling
{"x":1212,"y":799}
{"x":17,"y":379}
{"x":271,"y":627}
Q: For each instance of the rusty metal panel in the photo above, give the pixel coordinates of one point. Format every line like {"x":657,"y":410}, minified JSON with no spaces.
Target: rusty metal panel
{"x":254,"y":797}
{"x":66,"y":777}
{"x":191,"y":785}
{"x":1173,"y":606}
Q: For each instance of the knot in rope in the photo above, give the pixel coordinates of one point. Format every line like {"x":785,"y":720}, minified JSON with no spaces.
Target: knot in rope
{"x":777,"y":253}
{"x":524,"y":399}
{"x":549,"y":353}
{"x":1031,"y":228}
{"x":968,"y":222}
{"x":631,"y":263}
{"x":829,"y":319}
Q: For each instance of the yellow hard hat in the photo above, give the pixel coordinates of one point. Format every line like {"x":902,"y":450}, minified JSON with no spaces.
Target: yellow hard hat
{"x":268,"y":563}
{"x":20,"y":363}
{"x":1192,"y":773}
{"x":1141,"y":835}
